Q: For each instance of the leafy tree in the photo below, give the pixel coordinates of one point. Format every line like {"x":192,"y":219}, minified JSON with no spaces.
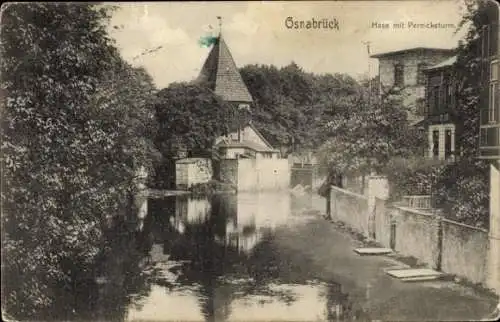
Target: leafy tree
{"x":292,"y":106}
{"x":74,"y":132}
{"x":190,"y":118}
{"x":363,"y":138}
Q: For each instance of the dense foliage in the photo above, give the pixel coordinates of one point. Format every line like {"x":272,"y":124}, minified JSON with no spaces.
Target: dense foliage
{"x":292,"y":106}
{"x":190,"y":118}
{"x":460,"y":188}
{"x":366,"y":136}
{"x":463,"y":189}
{"x":75,"y":128}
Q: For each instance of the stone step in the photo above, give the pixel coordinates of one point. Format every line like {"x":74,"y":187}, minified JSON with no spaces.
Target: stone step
{"x":415,"y":274}
{"x":373,"y":251}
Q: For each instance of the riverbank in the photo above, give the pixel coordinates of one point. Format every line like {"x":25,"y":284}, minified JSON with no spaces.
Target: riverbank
{"x":326,"y":252}
{"x":202,"y":189}
{"x":160,"y":193}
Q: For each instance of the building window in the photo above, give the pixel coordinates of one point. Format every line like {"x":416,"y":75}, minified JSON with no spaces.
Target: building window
{"x":493,"y":106}
{"x":399,"y":75}
{"x":494,"y":70}
{"x":435,"y":100}
{"x":493,"y":102}
{"x":444,"y":94}
{"x":435,"y":144}
{"x":421,"y":77}
{"x":485,"y":41}
{"x":447,"y":144}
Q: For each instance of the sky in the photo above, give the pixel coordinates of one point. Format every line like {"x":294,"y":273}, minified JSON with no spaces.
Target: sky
{"x":257,"y":33}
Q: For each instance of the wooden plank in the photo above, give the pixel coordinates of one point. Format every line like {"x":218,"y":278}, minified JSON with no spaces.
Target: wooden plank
{"x":414,"y":273}
{"x":373,"y":251}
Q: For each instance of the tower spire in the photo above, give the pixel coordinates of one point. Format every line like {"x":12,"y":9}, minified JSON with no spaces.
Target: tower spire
{"x":220,"y":25}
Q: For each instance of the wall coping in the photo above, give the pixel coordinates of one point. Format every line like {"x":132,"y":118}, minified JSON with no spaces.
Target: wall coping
{"x":415,"y":211}
{"x":347,"y":192}
{"x":464,"y":225}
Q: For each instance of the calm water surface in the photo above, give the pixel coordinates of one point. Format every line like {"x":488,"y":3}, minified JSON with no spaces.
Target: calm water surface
{"x":217,"y":259}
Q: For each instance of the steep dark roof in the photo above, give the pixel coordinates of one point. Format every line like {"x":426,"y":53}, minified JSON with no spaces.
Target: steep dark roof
{"x":404,"y":51}
{"x":222,"y":75}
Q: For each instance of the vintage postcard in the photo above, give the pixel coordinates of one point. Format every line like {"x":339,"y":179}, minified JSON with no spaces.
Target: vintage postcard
{"x":250,"y":161}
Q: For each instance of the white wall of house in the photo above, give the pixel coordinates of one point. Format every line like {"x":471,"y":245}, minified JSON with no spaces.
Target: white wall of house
{"x":441,"y":128}
{"x":263,"y":174}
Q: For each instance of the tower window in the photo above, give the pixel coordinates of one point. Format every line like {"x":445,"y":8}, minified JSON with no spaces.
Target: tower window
{"x":399,"y":75}
{"x":421,"y":74}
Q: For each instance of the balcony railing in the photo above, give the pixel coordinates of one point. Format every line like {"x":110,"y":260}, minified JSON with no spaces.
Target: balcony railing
{"x":417,"y":201}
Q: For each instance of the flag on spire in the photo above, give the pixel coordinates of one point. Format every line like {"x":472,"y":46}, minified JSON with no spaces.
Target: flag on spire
{"x":207,"y":41}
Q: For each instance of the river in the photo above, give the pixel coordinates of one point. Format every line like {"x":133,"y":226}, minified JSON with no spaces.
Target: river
{"x":249,"y":257}
{"x":216,"y":259}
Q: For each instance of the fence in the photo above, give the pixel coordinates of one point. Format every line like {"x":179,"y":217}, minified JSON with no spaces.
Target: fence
{"x":440,"y":243}
{"x":417,"y":202}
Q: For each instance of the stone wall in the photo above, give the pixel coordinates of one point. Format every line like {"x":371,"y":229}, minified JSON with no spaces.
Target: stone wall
{"x":263,"y":174}
{"x":465,"y":251}
{"x":441,"y":244}
{"x":228,"y":171}
{"x":193,"y":171}
{"x":350,"y":208}
{"x":417,"y":235}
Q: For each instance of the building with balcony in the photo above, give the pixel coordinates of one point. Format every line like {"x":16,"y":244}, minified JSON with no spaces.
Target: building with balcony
{"x":405,"y":69}
{"x":489,"y":143}
{"x":440,"y":108}
{"x":490,"y":96}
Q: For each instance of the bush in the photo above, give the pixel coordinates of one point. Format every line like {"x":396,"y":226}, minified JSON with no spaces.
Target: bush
{"x":462,"y":191}
{"x":414,"y":176}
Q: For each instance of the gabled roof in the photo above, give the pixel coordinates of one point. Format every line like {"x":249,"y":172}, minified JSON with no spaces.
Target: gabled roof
{"x":404,"y":51}
{"x":446,"y":63}
{"x":250,"y":124}
{"x":222,"y":75}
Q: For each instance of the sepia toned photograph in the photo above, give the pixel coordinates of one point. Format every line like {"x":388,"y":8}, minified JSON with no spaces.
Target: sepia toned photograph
{"x":250,"y":161}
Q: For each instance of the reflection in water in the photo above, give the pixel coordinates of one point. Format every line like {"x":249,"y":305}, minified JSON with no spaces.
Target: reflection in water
{"x":217,"y":260}
{"x":206,"y":260}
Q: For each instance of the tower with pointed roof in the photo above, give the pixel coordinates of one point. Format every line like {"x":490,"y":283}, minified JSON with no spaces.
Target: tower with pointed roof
{"x":221,"y":75}
{"x":265,"y":170}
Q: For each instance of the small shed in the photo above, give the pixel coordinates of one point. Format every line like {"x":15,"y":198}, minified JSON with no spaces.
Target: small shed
{"x":191,"y":171}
